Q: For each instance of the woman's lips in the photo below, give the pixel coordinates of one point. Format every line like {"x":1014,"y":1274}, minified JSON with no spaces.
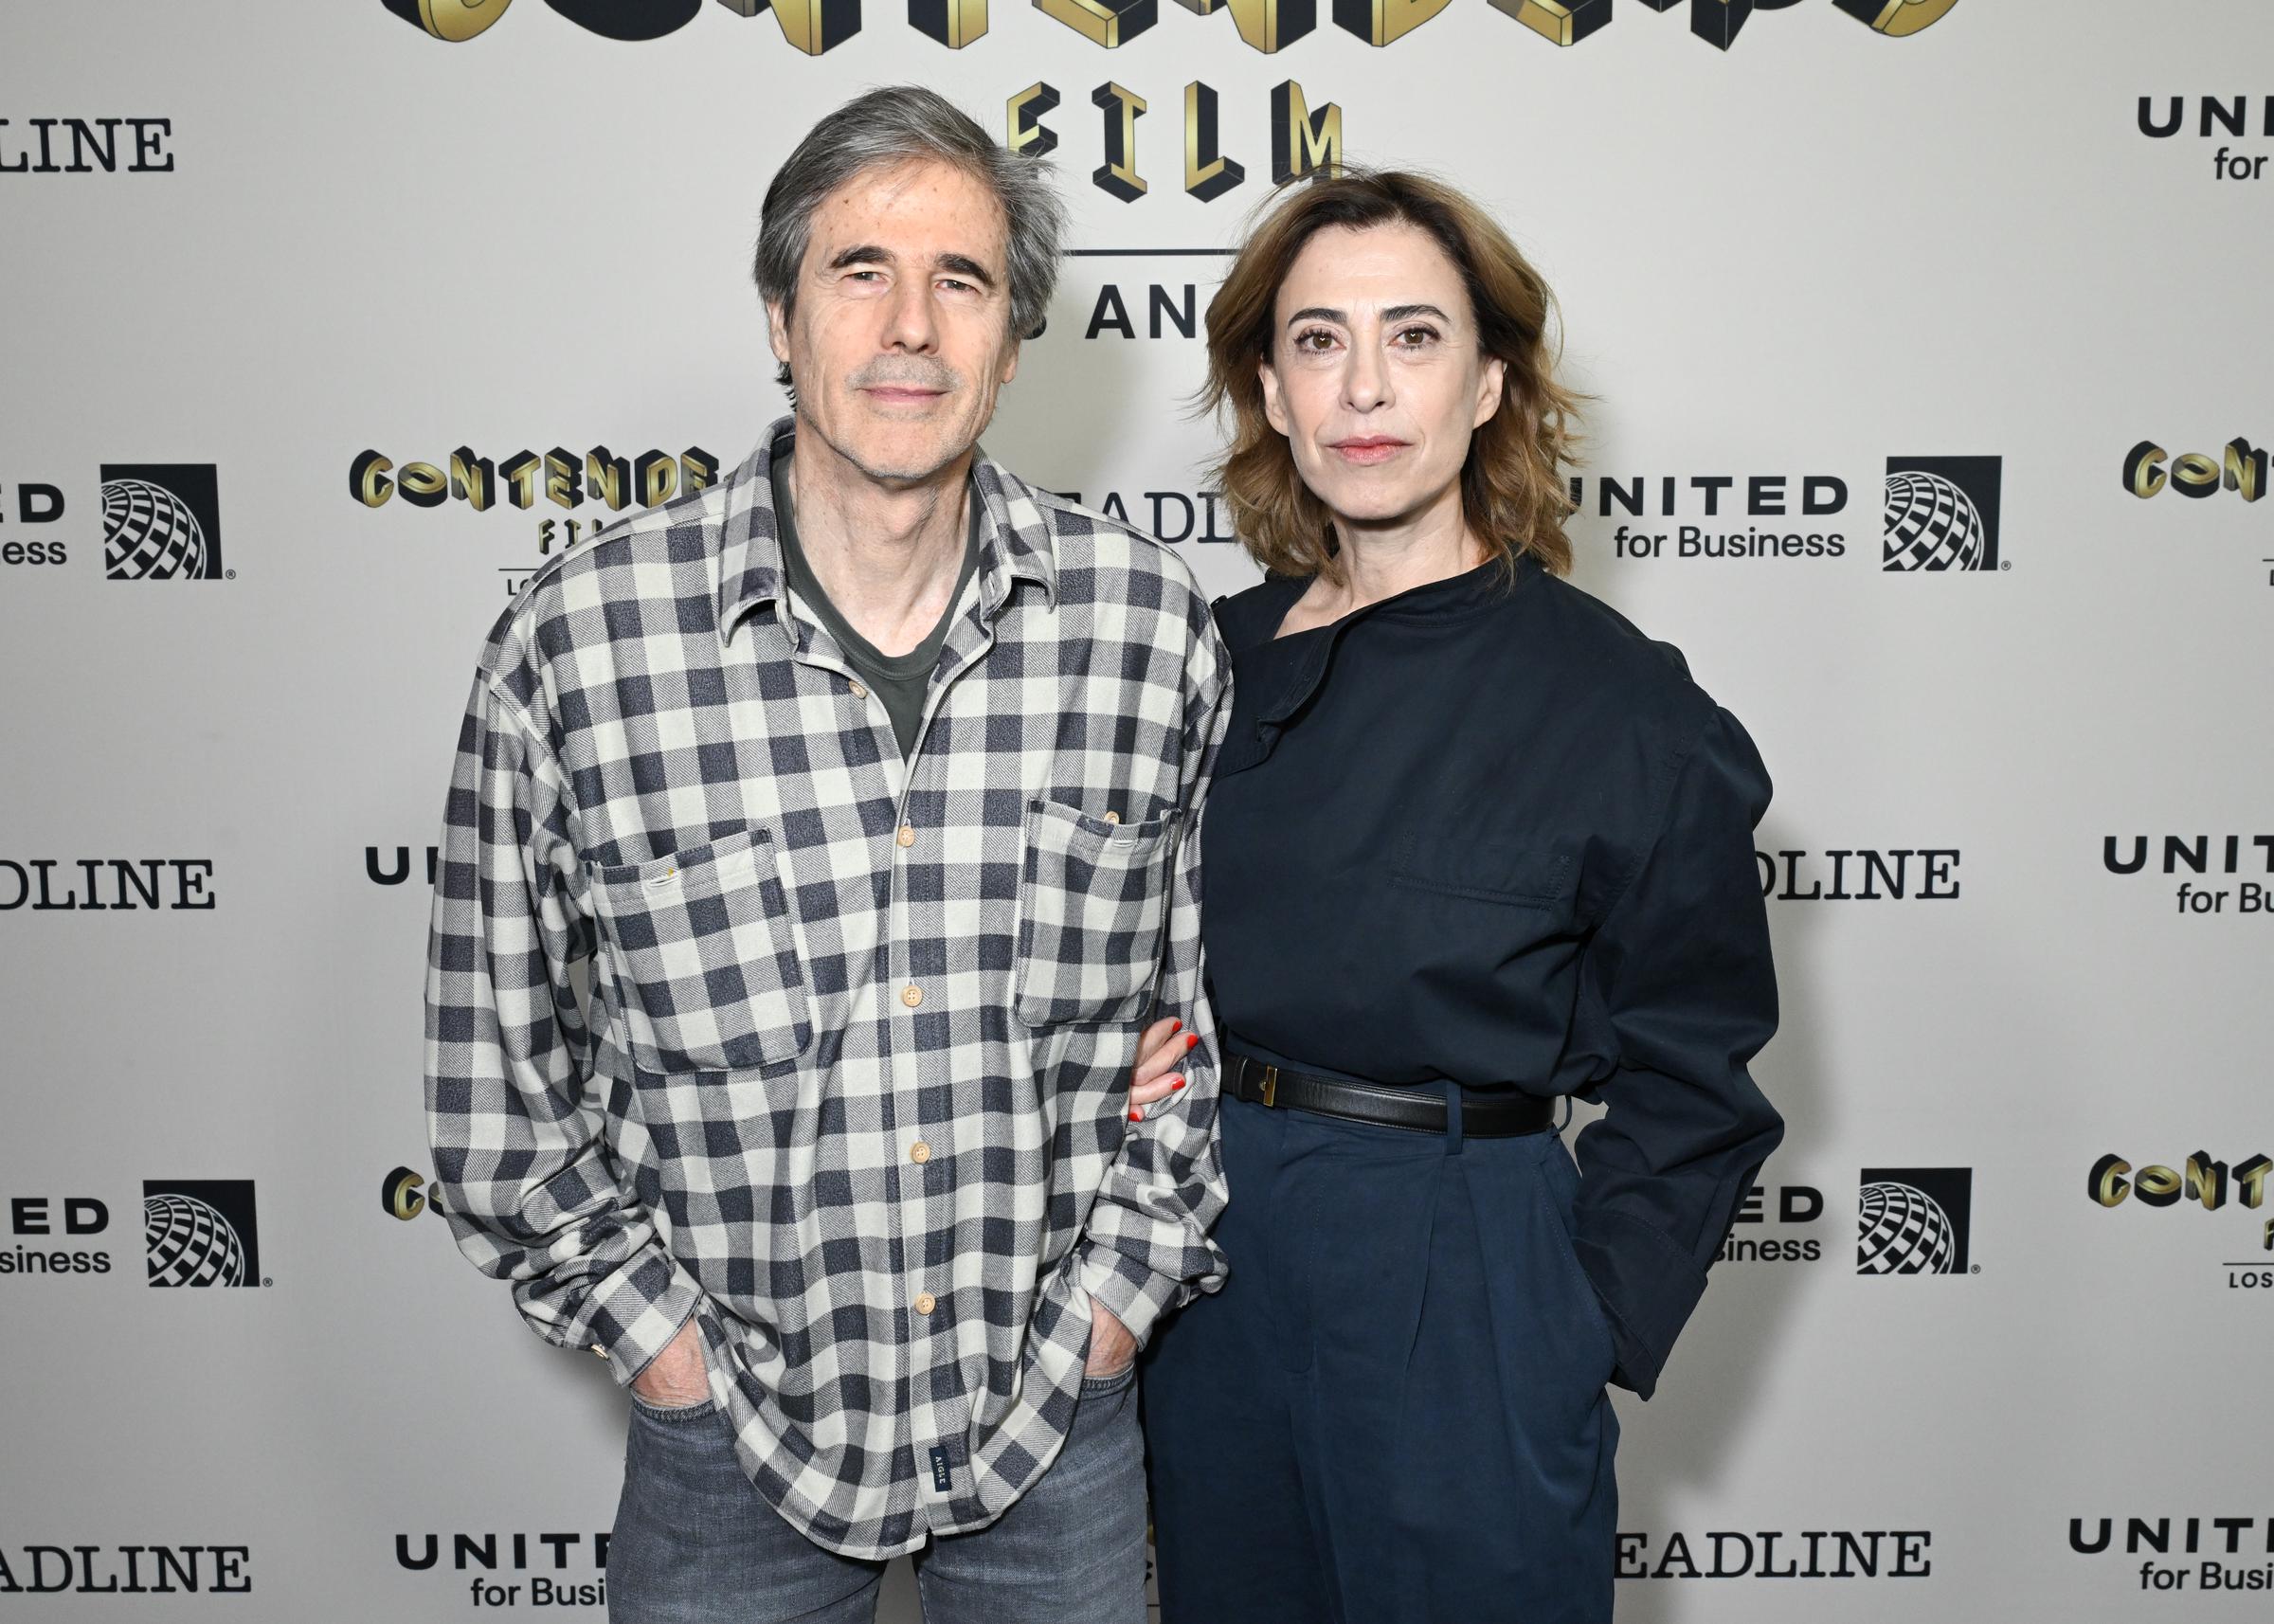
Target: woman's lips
{"x":1372,"y":448}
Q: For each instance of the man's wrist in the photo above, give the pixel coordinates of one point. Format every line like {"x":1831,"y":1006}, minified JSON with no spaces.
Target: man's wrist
{"x":1112,"y":1346}
{"x":640,"y":1310}
{"x":680,"y":1374}
{"x":1136,"y":1305}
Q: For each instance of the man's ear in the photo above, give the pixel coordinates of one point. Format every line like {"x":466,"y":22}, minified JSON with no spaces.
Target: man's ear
{"x":1010,"y":360}
{"x":777,"y":330}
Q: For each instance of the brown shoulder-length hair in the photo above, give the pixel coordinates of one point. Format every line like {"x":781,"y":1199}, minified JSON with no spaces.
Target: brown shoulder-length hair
{"x":1513,"y":494}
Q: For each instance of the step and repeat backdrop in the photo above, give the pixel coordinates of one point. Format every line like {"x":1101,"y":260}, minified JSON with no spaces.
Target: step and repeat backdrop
{"x":1929,"y":347}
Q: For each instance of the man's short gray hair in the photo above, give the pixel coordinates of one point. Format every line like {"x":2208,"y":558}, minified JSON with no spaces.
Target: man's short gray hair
{"x":896,"y":124}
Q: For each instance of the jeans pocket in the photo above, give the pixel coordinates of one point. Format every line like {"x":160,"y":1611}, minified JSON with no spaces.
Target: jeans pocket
{"x":1109,"y":1381}
{"x":672,"y":1415}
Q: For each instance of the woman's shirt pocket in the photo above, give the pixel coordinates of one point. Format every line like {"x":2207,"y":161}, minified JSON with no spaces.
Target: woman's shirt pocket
{"x":1484,"y":866}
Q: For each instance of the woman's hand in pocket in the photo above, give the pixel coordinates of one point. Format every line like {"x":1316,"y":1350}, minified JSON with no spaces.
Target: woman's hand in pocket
{"x":1155,"y":1077}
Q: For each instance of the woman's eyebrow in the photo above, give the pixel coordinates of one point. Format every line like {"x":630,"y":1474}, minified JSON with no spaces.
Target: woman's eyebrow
{"x":1395,"y":312}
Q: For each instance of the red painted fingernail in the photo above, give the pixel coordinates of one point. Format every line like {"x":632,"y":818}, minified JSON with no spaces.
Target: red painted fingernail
{"x":1136,"y":1116}
{"x":1180,"y":1083}
{"x":1174,"y":1025}
{"x":1191,"y":1039}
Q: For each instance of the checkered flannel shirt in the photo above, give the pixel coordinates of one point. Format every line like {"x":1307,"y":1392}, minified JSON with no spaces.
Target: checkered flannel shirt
{"x":851,"y":1088}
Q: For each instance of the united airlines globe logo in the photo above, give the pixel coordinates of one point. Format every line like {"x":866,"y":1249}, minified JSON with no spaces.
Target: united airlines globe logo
{"x":1931,"y":525}
{"x":161,"y":521}
{"x":1914,"y":1220}
{"x":149,"y":533}
{"x":1941,"y":513}
{"x":201,"y":1232}
{"x":191,"y":1244}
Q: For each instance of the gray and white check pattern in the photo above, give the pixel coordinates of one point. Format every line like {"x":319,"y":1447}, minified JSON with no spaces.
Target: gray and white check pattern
{"x":850,"y":1084}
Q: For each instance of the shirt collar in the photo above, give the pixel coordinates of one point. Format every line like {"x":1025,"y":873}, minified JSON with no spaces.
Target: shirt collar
{"x":1013,"y":537}
{"x":1289,"y":669}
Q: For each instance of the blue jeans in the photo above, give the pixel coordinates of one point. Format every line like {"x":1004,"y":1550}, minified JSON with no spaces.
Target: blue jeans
{"x":695,"y":1543}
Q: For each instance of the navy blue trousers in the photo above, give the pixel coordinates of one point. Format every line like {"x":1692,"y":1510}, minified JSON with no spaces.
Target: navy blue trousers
{"x":1394,"y":1411}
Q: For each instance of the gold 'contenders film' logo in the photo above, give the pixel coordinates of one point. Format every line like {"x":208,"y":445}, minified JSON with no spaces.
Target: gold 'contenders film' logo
{"x":1303,"y":137}
{"x":559,"y":477}
{"x":2200,"y":1180}
{"x":405,"y":1194}
{"x":2239,"y":468}
{"x":816,"y":27}
{"x":2237,"y":472}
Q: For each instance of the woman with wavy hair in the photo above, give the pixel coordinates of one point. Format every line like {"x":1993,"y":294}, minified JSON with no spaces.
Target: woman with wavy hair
{"x":1473,"y":843}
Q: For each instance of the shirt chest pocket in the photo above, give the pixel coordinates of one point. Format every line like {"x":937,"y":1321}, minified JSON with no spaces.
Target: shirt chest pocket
{"x":1093,"y":904}
{"x":1484,"y":867}
{"x":704,"y":958}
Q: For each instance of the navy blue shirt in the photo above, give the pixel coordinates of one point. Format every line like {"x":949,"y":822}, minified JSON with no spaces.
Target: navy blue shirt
{"x":1486,"y":833}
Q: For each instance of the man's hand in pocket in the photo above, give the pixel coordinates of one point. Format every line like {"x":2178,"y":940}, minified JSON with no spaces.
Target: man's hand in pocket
{"x":1111,"y":1346}
{"x":677,"y":1377}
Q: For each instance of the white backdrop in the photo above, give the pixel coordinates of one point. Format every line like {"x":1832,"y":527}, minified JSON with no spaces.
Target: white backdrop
{"x":1815,"y":252}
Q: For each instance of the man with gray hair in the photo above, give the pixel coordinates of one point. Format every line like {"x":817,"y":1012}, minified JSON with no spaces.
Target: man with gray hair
{"x":867,"y":779}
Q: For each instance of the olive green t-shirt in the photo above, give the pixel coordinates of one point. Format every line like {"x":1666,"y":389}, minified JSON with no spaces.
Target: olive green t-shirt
{"x":901,"y":680}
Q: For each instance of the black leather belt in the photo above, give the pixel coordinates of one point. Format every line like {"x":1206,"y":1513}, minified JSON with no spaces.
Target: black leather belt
{"x":1483,"y":1116}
